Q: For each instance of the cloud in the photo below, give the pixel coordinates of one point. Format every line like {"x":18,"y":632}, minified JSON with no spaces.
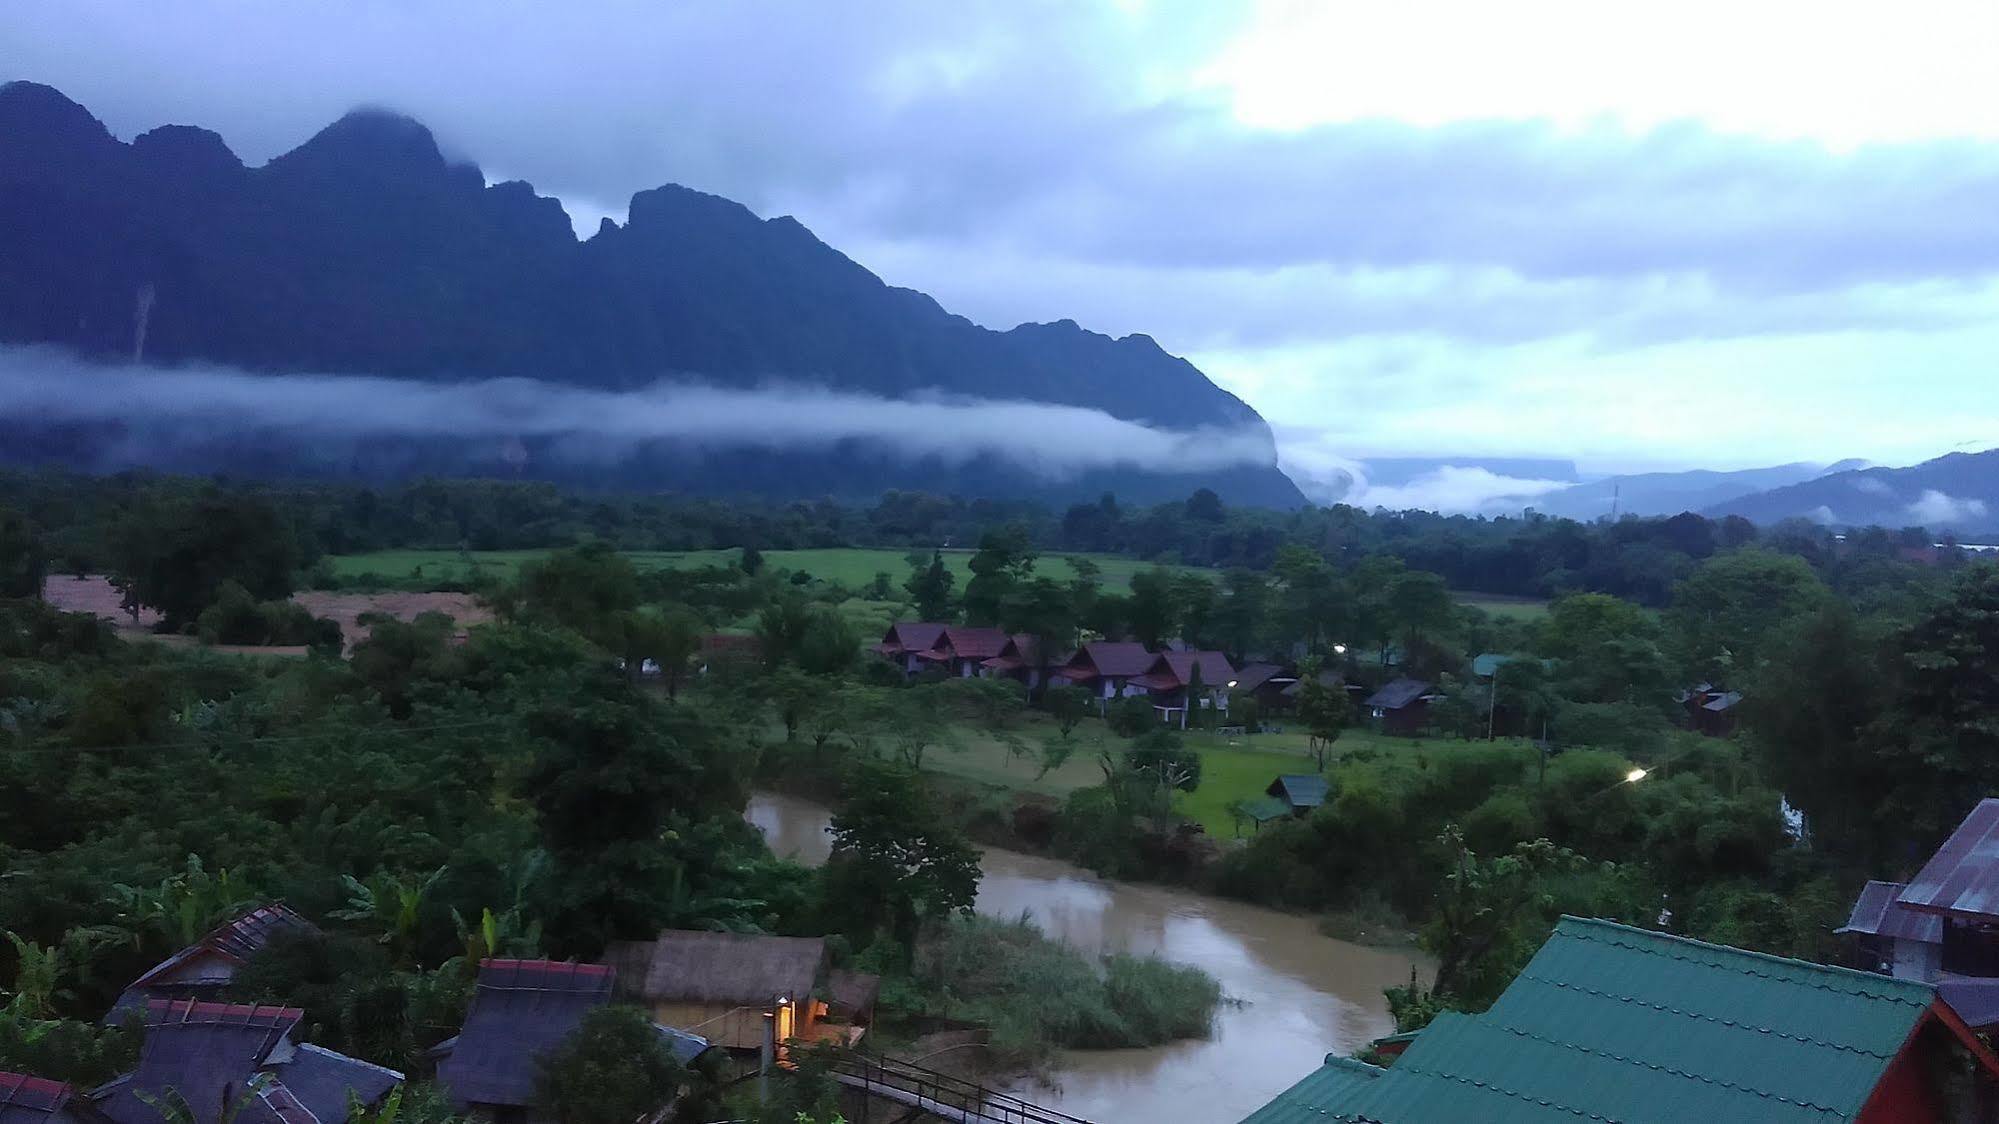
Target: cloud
{"x":161,"y":409}
{"x":1326,"y":476}
{"x":1940,"y":509}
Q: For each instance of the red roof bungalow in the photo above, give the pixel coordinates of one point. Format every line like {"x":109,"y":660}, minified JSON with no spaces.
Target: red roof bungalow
{"x":962,"y":652}
{"x":1106,"y":669}
{"x":205,"y":967}
{"x":1173,"y":673}
{"x":904,"y":639}
{"x":1021,"y":659}
{"x":1613,"y":1023}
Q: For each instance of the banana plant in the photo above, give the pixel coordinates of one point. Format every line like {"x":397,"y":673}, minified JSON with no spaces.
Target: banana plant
{"x":390,"y":905}
{"x":174,"y":1109}
{"x":183,"y":907}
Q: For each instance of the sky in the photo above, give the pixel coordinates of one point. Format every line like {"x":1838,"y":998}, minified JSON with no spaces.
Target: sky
{"x":1638,"y":235}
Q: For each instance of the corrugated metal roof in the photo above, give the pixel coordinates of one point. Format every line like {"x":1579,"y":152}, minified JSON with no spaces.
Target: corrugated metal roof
{"x":1304,"y":1102}
{"x":30,"y":1100}
{"x":1299,"y":790}
{"x":1963,"y":876}
{"x":911,"y":636}
{"x":236,"y":940}
{"x":1120,"y":659}
{"x":1397,"y":693}
{"x":1877,"y":913}
{"x":1266,"y":809}
{"x":521,"y":1010}
{"x":1609,"y":1022}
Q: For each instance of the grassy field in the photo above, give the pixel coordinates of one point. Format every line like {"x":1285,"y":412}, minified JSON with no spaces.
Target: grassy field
{"x":850,"y":567}
{"x":1499,"y":605}
{"x":1232,"y":768}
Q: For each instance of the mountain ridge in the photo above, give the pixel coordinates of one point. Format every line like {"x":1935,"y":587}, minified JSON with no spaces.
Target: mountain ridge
{"x":366,"y":250}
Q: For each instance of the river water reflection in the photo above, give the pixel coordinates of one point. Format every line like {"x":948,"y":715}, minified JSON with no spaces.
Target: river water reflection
{"x":1302,"y":995}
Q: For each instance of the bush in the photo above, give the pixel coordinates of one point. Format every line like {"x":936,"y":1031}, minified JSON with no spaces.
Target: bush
{"x":1132,"y":716}
{"x":238,"y":618}
{"x":1038,"y":995}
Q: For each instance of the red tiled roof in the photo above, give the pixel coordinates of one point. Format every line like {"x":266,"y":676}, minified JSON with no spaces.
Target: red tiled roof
{"x":974,"y":643}
{"x":18,"y":1091}
{"x":199,"y":1012}
{"x":1120,"y":660}
{"x":911,"y":636}
{"x":544,"y":975}
{"x":1215,"y":669}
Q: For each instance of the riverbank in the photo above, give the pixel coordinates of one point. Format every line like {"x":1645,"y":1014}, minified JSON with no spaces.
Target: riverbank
{"x":1296,"y":995}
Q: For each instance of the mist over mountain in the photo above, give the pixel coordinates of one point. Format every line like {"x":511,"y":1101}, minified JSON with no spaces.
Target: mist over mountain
{"x":1958,"y":492}
{"x":1670,"y":493}
{"x":365,"y":252}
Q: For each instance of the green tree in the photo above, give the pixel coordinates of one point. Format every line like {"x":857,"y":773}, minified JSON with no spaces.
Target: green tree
{"x":1004,"y":560}
{"x":614,"y":1069}
{"x":898,"y":860}
{"x":1490,"y":915}
{"x":929,"y":588}
{"x":1067,"y":705}
{"x":1733,"y":604}
{"x":1241,"y":615}
{"x":1153,"y":609}
{"x":583,"y":589}
{"x":1324,"y":709}
{"x":174,"y":556}
{"x":23,"y":559}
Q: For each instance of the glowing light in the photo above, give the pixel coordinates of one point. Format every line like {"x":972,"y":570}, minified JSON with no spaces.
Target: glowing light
{"x":1634,"y":776}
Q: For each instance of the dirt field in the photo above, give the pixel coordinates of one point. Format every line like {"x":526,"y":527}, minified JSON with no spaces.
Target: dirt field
{"x":95,"y":595}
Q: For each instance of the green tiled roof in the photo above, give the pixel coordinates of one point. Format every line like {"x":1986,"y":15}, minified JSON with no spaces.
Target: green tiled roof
{"x":1337,"y":1079}
{"x":1266,"y":809}
{"x":1613,"y":1023}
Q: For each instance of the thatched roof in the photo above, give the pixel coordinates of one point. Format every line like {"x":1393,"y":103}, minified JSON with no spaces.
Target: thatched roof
{"x":520,"y":1011}
{"x":852,"y":992}
{"x":739,"y":969}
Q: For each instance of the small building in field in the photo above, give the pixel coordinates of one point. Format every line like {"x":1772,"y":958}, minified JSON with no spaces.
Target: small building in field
{"x":904,"y":639}
{"x":521,"y":1010}
{"x":962,"y":652}
{"x":1614,"y":1023}
{"x":203,"y":969}
{"x":735,"y":989}
{"x":1300,"y":793}
{"x":210,"y":1054}
{"x":1716,"y":716}
{"x":1106,"y":668}
{"x":1891,"y":938}
{"x":1020,"y":658}
{"x":37,"y":1100}
{"x":1401,"y":706}
{"x":1170,"y":682}
{"x":1265,"y":683}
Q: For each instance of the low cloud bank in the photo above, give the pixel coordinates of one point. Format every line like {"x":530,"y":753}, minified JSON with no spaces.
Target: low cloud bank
{"x":1941,"y":509}
{"x":1328,"y":477}
{"x":161,"y":409}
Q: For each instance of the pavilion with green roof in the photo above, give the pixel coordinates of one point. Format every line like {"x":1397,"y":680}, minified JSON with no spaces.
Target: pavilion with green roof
{"x":1613,"y":1023}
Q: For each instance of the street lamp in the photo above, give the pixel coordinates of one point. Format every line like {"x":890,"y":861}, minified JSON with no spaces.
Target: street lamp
{"x":1339,"y":649}
{"x":1634,"y":776}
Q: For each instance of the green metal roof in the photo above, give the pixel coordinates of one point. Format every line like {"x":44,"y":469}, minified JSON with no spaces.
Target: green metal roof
{"x":1338,"y":1079}
{"x":1266,"y":809}
{"x":1609,"y":1022}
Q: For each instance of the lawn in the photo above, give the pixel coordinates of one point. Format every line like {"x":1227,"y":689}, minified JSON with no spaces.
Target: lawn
{"x":1500,"y":605}
{"x":851,"y":567}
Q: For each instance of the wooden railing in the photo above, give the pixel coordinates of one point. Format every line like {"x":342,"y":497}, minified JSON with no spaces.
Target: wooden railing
{"x":920,"y":1086}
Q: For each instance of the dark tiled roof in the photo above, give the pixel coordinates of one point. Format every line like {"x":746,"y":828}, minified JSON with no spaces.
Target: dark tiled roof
{"x":236,"y":940}
{"x":521,"y":1010}
{"x":911,"y":636}
{"x":736,"y":968}
{"x":973,"y":643}
{"x":1963,"y":876}
{"x":1299,"y":790}
{"x":1121,"y":660}
{"x":31,"y":1100}
{"x":1252,"y":676}
{"x":1398,"y":693}
{"x":1877,"y":913}
{"x":1215,"y":669}
{"x":1976,"y":1001}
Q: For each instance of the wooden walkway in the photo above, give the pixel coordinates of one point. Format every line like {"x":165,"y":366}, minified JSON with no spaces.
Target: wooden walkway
{"x":941,"y":1095}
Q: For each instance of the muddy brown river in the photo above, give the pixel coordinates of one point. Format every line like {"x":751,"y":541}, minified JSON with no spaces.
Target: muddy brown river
{"x":1300,"y":995}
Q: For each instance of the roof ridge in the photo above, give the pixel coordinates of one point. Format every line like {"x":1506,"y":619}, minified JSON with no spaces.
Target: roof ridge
{"x":1656,"y":1068}
{"x":363,"y":1062}
{"x":1654,"y":942}
{"x":1827,"y":1043}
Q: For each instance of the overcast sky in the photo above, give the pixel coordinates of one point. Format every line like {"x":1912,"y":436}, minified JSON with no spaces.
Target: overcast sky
{"x":1640,"y":235}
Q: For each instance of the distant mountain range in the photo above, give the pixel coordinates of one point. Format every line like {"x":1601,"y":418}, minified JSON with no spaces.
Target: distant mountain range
{"x":364,"y":252}
{"x":1958,"y":492}
{"x":1670,"y":493}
